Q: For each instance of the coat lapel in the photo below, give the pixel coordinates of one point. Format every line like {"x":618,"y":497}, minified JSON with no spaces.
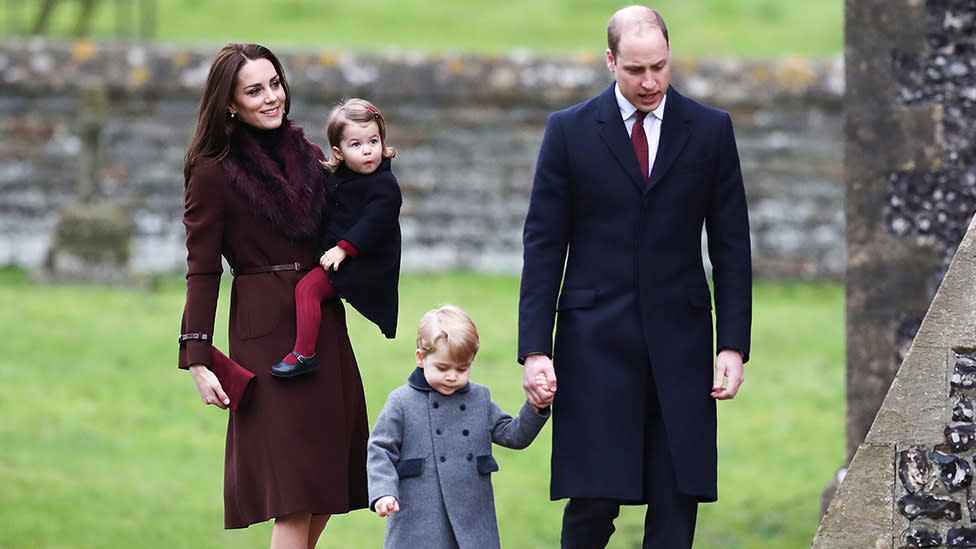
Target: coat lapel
{"x":675,"y":130}
{"x":614,"y":134}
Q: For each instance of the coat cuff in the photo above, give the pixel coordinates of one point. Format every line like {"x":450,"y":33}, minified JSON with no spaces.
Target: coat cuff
{"x":349,"y":248}
{"x":195,"y":348}
{"x":523,"y":356}
{"x":377,"y":495}
{"x":536,"y":418}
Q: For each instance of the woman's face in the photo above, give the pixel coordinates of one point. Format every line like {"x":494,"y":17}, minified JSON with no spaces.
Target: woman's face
{"x":259,"y":97}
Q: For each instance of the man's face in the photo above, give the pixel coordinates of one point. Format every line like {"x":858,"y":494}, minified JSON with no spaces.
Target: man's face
{"x":642,"y":67}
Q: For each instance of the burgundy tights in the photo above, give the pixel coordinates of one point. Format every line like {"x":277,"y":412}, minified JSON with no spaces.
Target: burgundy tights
{"x":311,"y":290}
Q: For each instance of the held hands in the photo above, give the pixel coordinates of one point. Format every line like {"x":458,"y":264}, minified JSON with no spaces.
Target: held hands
{"x":332,"y":258}
{"x":543,"y":386}
{"x":728,"y":375}
{"x":386,"y":506}
{"x":209,"y":388}
{"x":539,"y":380}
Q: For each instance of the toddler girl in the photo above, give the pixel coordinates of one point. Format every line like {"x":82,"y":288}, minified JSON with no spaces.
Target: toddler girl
{"x":361,"y":235}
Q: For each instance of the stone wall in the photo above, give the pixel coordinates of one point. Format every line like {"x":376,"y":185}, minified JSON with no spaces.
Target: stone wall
{"x":910,"y":481}
{"x":910,"y":180}
{"x":910,"y":177}
{"x":468,"y":130}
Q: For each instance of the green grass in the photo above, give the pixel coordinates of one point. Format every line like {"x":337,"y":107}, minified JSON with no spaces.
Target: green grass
{"x":750,"y":28}
{"x":104,"y":443}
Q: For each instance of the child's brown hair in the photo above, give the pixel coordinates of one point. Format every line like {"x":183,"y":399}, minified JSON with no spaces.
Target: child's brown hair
{"x":452,"y":326}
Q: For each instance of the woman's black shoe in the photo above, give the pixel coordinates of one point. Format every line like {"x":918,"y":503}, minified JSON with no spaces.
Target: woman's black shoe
{"x":305,"y":365}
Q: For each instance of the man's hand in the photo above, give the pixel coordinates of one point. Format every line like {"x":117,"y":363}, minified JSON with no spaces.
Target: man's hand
{"x":728,"y":375}
{"x":537,"y":367}
{"x":543,"y":385}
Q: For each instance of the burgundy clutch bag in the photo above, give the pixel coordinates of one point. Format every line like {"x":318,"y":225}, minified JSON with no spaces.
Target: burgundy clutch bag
{"x":233,"y":377}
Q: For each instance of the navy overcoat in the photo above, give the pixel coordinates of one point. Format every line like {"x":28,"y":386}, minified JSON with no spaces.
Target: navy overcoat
{"x":619,"y":261}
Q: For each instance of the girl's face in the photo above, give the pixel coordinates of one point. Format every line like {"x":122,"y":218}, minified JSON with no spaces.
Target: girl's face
{"x":259,"y":98}
{"x":360,"y":148}
{"x":443,"y":374}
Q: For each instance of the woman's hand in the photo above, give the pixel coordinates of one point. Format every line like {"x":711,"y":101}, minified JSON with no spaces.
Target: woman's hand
{"x":209,"y":388}
{"x":332,"y":258}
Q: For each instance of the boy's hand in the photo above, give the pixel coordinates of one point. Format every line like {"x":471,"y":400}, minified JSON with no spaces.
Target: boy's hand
{"x":386,"y":506}
{"x":332,"y":258}
{"x":543,"y":386}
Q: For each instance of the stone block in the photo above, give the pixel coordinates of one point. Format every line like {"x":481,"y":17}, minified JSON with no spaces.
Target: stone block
{"x":916,"y":408}
{"x":861,"y":512}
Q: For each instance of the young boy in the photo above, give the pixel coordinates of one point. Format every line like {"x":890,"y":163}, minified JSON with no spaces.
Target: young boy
{"x":429,"y":456}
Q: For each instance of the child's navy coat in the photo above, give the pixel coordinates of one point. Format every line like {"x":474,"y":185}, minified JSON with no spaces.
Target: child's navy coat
{"x":364,"y":210}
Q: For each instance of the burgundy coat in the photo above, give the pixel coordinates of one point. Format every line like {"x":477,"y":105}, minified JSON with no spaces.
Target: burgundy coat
{"x":294,"y":445}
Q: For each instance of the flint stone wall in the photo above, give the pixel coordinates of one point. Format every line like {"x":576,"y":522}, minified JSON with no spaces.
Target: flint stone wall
{"x":910,"y":482}
{"x":910,"y":173}
{"x":468,"y":130}
{"x":910,"y":176}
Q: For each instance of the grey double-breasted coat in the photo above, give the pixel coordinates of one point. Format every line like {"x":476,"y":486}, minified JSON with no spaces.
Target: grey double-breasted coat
{"x":433,"y":453}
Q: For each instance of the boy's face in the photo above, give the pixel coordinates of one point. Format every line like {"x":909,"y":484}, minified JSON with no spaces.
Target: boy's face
{"x":442,"y":373}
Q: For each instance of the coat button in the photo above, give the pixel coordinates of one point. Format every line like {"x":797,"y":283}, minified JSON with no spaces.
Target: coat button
{"x":438,"y":431}
{"x":464,"y":432}
{"x":443,"y":459}
{"x":470,"y":457}
{"x":436,"y":405}
{"x":463,"y":407}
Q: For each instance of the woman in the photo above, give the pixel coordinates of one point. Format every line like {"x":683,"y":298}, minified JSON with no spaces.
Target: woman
{"x":295,"y":449}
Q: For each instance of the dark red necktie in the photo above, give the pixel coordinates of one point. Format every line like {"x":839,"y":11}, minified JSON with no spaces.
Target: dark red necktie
{"x":639,"y":139}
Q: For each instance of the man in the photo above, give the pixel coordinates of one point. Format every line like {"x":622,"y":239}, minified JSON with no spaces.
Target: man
{"x":623,"y":186}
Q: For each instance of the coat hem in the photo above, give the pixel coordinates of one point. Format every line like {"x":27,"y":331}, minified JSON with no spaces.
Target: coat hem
{"x":245,"y":524}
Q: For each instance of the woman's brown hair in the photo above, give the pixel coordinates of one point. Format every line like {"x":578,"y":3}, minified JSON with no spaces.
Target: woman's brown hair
{"x":211,"y":138}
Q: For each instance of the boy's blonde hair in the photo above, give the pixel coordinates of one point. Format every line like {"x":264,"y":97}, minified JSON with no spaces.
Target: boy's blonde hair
{"x":452,"y":326}
{"x":357,"y":111}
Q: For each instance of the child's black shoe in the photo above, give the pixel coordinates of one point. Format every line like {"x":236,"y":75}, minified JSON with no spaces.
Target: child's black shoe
{"x":303,"y":365}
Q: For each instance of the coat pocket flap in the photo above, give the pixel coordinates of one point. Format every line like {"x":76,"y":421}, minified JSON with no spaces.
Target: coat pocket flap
{"x":410,"y":468}
{"x":576,"y":299}
{"x":699,"y":298}
{"x":487,"y":464}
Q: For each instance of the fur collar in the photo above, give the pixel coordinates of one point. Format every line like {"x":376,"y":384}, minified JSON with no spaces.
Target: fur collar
{"x":292,"y":201}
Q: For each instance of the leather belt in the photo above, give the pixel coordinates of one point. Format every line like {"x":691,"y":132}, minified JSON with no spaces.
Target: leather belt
{"x":296,"y":266}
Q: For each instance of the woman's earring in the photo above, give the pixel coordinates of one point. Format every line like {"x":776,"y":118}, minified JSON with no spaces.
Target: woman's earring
{"x":233,"y":115}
